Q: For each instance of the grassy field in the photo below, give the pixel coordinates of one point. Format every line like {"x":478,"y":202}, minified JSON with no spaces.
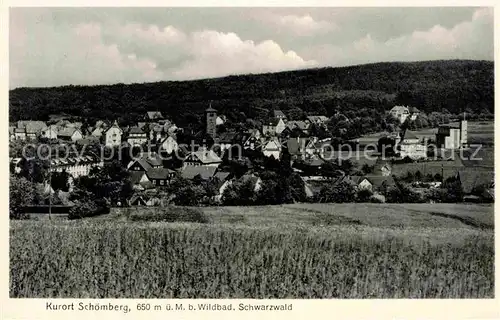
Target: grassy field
{"x":479,"y":132}
{"x":290,"y":251}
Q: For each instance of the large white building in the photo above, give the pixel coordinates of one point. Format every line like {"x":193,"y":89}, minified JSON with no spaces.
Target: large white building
{"x":113,"y":136}
{"x":452,"y":136}
{"x":412,"y":147}
{"x":76,"y":166}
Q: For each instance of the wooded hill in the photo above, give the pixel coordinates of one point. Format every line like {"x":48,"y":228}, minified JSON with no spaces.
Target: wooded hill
{"x":356,"y":91}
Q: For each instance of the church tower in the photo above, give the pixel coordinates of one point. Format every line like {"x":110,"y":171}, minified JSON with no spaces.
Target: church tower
{"x":211,"y":125}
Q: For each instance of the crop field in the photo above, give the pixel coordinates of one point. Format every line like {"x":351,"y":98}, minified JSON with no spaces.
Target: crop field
{"x":289,"y":251}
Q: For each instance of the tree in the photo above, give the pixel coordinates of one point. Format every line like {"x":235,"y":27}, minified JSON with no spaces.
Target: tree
{"x":21,"y":193}
{"x":60,"y":181}
{"x":338,"y":193}
{"x":189,"y":195}
{"x":363,"y":195}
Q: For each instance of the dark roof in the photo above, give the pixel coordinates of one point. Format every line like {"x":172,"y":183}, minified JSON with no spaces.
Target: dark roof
{"x":302,"y":125}
{"x":135,"y":130}
{"x":205,"y":172}
{"x":474,"y":177}
{"x":206,"y":156}
{"x":144,"y":164}
{"x":410,"y":135}
{"x":154,"y":160}
{"x":279,"y":113}
{"x":222,"y":175}
{"x":159,"y":173}
{"x":32,"y":126}
{"x":67,"y":132}
{"x":153,"y":115}
{"x":228,"y":137}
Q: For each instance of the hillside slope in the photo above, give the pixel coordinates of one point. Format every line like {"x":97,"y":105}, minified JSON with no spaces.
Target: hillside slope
{"x":430,"y":86}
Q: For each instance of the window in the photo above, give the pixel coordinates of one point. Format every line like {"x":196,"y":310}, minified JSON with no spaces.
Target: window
{"x":162,"y":182}
{"x":154,"y":182}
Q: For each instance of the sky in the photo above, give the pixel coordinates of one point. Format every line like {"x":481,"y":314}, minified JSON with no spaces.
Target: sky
{"x":88,"y":46}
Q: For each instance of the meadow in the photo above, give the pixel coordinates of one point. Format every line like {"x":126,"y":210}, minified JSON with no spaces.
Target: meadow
{"x":289,"y":251}
{"x":479,"y":132}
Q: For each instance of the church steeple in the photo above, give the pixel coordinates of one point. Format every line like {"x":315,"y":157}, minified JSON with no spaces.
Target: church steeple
{"x":211,"y":116}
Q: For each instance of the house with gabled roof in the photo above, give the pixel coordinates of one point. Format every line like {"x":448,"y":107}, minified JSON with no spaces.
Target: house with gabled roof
{"x":203,"y":157}
{"x":273,"y":127}
{"x":32,"y":129}
{"x":226,"y":140}
{"x":136,"y":136}
{"x":145,"y":162}
{"x":160,"y":176}
{"x":139,"y":180}
{"x":153,"y":116}
{"x":113,"y":135}
{"x":51,"y":132}
{"x":373,"y":182}
{"x":204,"y":172}
{"x":278,"y":114}
{"x":169,"y":145}
{"x":70,"y":134}
{"x":401,"y":113}
{"x":410,"y":146}
{"x":317,"y":119}
{"x":272,"y":148}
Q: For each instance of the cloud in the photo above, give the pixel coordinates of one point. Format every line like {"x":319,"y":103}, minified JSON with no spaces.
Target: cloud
{"x":94,"y":53}
{"x":58,"y":46}
{"x":215,"y":53}
{"x":303,"y":25}
{"x":472,"y":39}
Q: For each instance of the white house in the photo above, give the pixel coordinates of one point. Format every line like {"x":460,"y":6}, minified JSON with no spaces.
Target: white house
{"x":400,"y":113}
{"x":273,"y":127}
{"x":19,"y":134}
{"x":50,"y":132}
{"x":113,"y":136}
{"x":411,"y":147}
{"x":169,"y":144}
{"x":76,"y":166}
{"x":203,"y":157}
{"x":220,"y":120}
{"x":272,"y":148}
{"x":136,"y":136}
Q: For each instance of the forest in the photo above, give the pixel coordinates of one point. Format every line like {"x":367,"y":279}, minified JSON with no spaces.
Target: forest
{"x":360,"y":92}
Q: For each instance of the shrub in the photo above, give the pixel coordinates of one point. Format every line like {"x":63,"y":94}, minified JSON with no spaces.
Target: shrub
{"x":88,"y":208}
{"x":402,"y":193}
{"x":342,"y":192}
{"x":363,"y":195}
{"x":172,"y":214}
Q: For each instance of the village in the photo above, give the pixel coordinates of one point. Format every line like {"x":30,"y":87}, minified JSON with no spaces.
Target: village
{"x":151,"y":170}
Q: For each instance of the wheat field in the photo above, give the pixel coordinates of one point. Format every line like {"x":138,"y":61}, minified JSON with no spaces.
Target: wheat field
{"x":113,"y":259}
